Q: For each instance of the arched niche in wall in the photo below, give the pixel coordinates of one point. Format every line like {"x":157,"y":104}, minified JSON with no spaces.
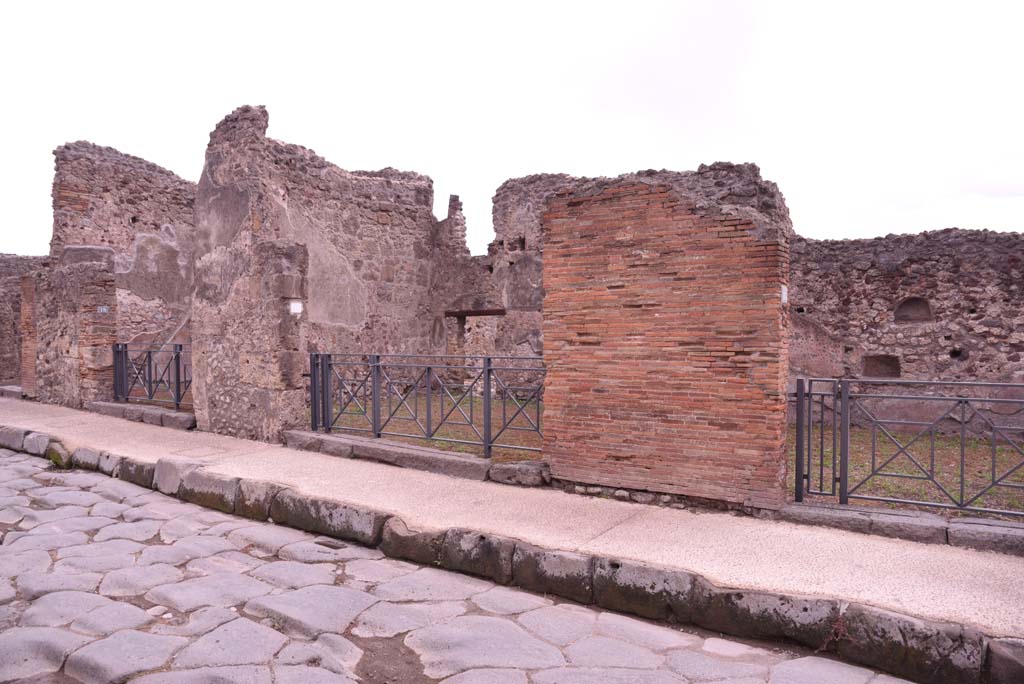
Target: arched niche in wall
{"x":913,"y":310}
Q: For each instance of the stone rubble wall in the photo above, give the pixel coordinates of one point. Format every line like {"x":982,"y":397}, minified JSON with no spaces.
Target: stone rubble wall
{"x":12,"y":267}
{"x":368,"y":234}
{"x":665,"y":334}
{"x":69,"y":315}
{"x":973,"y":281}
{"x":143,"y":212}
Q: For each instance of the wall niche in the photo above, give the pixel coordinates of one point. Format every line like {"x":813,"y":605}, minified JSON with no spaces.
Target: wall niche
{"x":881,"y":366}
{"x":913,"y":310}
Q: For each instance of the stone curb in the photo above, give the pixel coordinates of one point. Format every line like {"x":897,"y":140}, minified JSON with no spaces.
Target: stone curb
{"x":521,"y":473}
{"x":917,"y":649}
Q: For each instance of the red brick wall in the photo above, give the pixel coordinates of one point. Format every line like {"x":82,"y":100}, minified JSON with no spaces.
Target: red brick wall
{"x":665,"y":343}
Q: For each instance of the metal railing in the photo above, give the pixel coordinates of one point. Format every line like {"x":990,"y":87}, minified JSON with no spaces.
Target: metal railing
{"x":952,"y":445}
{"x":494,"y":402}
{"x":153,"y":374}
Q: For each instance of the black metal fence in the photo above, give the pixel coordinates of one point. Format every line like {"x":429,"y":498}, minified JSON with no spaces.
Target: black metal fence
{"x":153,"y":374}
{"x":952,"y":445}
{"x":494,"y":402}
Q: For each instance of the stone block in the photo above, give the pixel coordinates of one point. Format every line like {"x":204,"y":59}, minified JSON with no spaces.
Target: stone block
{"x":420,"y":458}
{"x":478,"y":553}
{"x":134,"y":413}
{"x":645,"y":590}
{"x":522,"y":473}
{"x":988,"y":535}
{"x":303,"y":440}
{"x":254,"y":498}
{"x":912,"y":525}
{"x":334,"y":447}
{"x":152,"y":416}
{"x":35,"y":443}
{"x":58,"y":455}
{"x":178,"y":420}
{"x":419,"y":546}
{"x":333,"y":518}
{"x":763,"y":615}
{"x":109,"y":464}
{"x":11,"y":392}
{"x":78,"y":254}
{"x":168,"y":474}
{"x":208,"y":489}
{"x":287,"y":286}
{"x":137,"y":472}
{"x":562,"y":573}
{"x":919,"y":650}
{"x":1004,"y":663}
{"x":106,"y":408}
{"x":12,"y":438}
{"x":827,"y":516}
{"x":86,"y":458}
{"x":292,"y":366}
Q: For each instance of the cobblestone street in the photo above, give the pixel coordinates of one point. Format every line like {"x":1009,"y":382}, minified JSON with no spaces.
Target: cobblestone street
{"x":104,"y":581}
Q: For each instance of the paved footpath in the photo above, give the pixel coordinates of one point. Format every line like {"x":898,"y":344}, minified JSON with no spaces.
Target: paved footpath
{"x":939,"y":582}
{"x":105,"y":581}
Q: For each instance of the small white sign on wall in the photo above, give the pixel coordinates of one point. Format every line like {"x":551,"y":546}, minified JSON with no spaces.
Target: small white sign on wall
{"x":785,"y":294}
{"x":295,"y":307}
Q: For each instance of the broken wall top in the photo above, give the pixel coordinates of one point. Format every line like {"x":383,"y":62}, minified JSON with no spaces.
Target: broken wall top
{"x":269,"y":176}
{"x":15,"y":265}
{"x":105,"y":197}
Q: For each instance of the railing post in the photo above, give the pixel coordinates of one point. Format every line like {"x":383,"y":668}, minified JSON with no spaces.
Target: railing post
{"x":844,"y":441}
{"x":375,"y":388}
{"x":428,"y":376}
{"x":487,"y":406}
{"x":149,"y":374}
{"x":314,"y":398}
{"x":326,"y":412}
{"x":177,"y":377}
{"x":798,"y":492}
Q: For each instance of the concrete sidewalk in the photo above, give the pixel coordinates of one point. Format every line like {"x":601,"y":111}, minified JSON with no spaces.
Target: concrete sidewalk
{"x":977,"y":588}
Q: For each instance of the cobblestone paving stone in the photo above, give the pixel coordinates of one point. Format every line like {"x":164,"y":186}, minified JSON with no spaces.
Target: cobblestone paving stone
{"x":103,"y":581}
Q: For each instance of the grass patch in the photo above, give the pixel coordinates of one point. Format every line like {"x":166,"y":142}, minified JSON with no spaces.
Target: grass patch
{"x":938,"y":457}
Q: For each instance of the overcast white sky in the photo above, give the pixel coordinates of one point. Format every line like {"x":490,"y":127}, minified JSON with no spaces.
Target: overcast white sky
{"x":872,"y":117}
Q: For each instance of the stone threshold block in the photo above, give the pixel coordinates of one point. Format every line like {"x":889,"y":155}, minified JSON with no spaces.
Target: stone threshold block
{"x":11,"y":392}
{"x":153,"y":415}
{"x":977,"y":533}
{"x":523,"y":473}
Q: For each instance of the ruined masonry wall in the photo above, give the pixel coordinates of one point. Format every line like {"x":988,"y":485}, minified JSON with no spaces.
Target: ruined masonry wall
{"x":972,"y":327}
{"x":102,"y":197}
{"x":12,"y":267}
{"x":665,"y":335}
{"x":27,"y":332}
{"x":69,"y":314}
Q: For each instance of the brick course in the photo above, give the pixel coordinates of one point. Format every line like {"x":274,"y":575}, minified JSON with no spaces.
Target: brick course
{"x":665,"y":341}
